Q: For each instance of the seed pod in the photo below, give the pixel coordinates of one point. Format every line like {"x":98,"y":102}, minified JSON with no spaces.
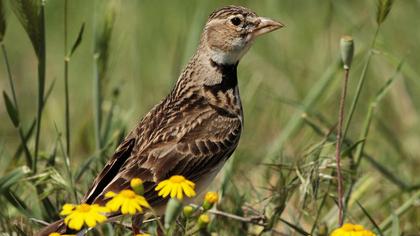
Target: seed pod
{"x":347,"y":50}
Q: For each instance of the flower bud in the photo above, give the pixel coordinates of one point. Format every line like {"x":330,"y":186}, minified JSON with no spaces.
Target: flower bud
{"x":137,"y":185}
{"x":347,"y":50}
{"x":203,"y":221}
{"x":209,"y":200}
{"x":188,"y":211}
{"x":322,"y":229}
{"x":173,"y":208}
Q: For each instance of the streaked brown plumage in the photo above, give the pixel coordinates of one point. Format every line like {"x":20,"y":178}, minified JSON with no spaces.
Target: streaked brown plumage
{"x":196,"y":128}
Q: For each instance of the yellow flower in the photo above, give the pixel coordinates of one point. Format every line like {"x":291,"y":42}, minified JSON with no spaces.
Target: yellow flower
{"x":177,"y":185}
{"x":137,"y":185}
{"x":203,"y":221}
{"x":143,"y":234}
{"x":127,"y":201}
{"x":136,"y":182}
{"x":78,"y":215}
{"x":211,"y":197}
{"x":188,"y":210}
{"x":352,"y":230}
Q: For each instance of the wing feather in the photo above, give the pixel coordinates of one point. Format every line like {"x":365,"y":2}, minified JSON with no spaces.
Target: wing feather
{"x":191,"y":146}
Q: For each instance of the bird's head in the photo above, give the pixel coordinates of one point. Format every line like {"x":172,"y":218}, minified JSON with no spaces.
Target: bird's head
{"x":230,"y":31}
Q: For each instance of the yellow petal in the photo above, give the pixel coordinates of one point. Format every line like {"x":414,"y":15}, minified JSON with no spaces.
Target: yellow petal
{"x":67,"y":209}
{"x":161,"y":185}
{"x":114,"y":204}
{"x":91,"y":222}
{"x":132,"y":208}
{"x":174,"y":190}
{"x":187,"y":190}
{"x":179,"y":194}
{"x":110,"y":194}
{"x":124,"y":208}
{"x":165,"y":191}
{"x":143,"y":201}
{"x":76,"y":223}
{"x":190,"y":183}
{"x":101,"y":218}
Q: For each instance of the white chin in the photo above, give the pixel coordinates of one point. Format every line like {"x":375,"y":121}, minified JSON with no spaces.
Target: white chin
{"x":228,"y":57}
{"x":225,"y":58}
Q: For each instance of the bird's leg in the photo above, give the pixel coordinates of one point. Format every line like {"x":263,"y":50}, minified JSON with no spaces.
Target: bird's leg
{"x":136,"y":222}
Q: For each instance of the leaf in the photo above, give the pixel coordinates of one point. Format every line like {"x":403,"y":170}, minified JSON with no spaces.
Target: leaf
{"x":353,"y":146}
{"x":12,"y":178}
{"x":384,"y":89}
{"x":20,"y":205}
{"x":29,"y":14}
{"x":78,"y":40}
{"x":2,"y":21}
{"x":295,"y":227}
{"x":395,"y":225}
{"x":383,"y":9}
{"x":370,"y":219}
{"x":11,"y":110}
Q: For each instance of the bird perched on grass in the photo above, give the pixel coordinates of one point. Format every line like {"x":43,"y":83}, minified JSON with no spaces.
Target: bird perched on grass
{"x":196,"y":128}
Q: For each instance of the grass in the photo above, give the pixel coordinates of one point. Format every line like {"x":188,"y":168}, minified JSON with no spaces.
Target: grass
{"x":64,"y":114}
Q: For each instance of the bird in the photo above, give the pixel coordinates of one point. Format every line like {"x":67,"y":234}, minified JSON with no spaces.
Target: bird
{"x":195,"y":129}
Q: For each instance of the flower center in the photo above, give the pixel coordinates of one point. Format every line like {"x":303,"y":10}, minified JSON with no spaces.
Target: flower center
{"x":84,"y":207}
{"x":128,"y":193}
{"x":177,"y":179}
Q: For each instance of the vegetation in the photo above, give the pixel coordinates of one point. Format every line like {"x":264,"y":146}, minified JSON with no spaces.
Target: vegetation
{"x":77,"y":75}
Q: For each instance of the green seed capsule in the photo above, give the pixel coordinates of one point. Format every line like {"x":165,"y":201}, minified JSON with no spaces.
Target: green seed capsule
{"x":347,"y":50}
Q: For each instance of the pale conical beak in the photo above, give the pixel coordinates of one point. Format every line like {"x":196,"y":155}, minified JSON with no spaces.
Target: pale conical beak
{"x":265,"y":25}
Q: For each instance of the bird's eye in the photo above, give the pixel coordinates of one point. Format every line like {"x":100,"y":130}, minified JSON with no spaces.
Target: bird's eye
{"x":235,"y":21}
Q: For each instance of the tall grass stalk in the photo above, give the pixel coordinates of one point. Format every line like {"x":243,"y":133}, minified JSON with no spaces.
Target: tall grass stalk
{"x":101,"y":48}
{"x":66,"y":81}
{"x":347,"y":51}
{"x":382,"y":11}
{"x":338,"y":146}
{"x":97,"y":111}
{"x":41,"y":82}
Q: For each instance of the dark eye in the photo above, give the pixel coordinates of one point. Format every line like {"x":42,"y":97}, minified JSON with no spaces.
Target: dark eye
{"x":235,"y":21}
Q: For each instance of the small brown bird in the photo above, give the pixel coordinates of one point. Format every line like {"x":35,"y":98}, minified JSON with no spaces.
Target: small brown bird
{"x":195,"y":129}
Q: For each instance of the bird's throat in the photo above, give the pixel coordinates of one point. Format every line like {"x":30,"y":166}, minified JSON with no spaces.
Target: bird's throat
{"x":227,"y":77}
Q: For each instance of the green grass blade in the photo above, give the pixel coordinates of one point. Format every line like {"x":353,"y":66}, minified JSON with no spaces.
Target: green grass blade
{"x":296,"y":120}
{"x":400,"y":211}
{"x":11,"y":110}
{"x":2,"y":21}
{"x":395,"y":229}
{"x":382,"y":10}
{"x":13,"y":178}
{"x":17,"y":203}
{"x":379,"y":231}
{"x":79,"y":38}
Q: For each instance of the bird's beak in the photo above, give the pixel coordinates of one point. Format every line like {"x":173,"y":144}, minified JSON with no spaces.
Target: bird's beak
{"x":265,"y":25}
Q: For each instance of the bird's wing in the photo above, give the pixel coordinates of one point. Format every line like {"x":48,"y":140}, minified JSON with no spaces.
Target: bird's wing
{"x":190,"y":140}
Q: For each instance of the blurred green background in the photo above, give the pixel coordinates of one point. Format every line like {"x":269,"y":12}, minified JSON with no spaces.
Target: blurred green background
{"x":151,"y":42}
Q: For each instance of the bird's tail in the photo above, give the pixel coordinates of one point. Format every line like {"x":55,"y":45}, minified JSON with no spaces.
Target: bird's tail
{"x":57,"y":226}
